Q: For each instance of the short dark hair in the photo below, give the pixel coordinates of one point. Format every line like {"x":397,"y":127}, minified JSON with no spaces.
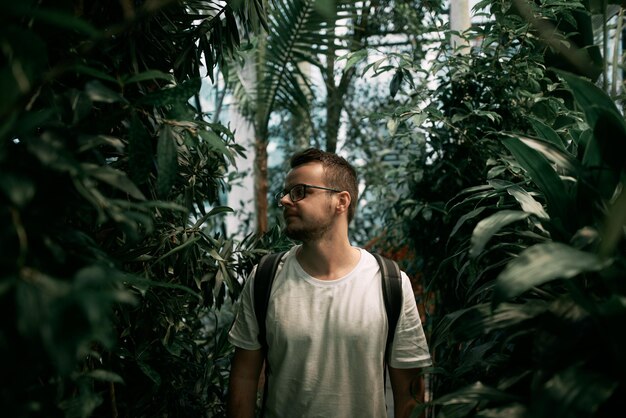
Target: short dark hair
{"x":338,"y":173}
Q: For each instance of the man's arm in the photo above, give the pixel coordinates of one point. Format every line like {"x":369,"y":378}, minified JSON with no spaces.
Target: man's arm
{"x":244,"y":379}
{"x":408,"y":390}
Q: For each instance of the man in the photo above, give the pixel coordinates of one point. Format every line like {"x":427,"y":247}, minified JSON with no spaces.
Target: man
{"x":326,"y":320}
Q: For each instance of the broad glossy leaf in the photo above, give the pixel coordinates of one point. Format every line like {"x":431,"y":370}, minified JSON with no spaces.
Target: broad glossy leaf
{"x":543,"y":175}
{"x":542,"y":263}
{"x":546,"y":132}
{"x":614,"y":223}
{"x":113,"y":177}
{"x":98,"y":92}
{"x":481,"y":319}
{"x":353,"y":58}
{"x":472,"y":214}
{"x":577,"y":391}
{"x":610,"y":134}
{"x":553,"y":153}
{"x":215,"y":211}
{"x":475,"y":392}
{"x":592,"y":100}
{"x":487,"y":227}
{"x":215,"y":142}
{"x":150,"y":372}
{"x":527,"y":202}
{"x":602,"y":116}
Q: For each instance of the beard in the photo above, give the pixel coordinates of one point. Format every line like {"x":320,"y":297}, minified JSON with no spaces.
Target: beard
{"x":313,"y":231}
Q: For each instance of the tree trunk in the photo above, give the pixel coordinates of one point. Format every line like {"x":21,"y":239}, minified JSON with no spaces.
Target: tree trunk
{"x":260,"y":141}
{"x":335,"y":92}
{"x":333,"y":104}
{"x":260,"y":181}
{"x":334,"y":107}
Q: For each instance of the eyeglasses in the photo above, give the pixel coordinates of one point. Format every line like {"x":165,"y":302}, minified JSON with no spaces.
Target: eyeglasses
{"x":298,"y":192}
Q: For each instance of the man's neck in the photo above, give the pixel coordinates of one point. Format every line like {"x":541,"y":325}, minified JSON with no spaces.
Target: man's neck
{"x":328,"y":259}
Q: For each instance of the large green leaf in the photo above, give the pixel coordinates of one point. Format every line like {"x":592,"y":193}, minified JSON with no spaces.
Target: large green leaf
{"x":576,"y":392}
{"x":527,"y":202}
{"x":543,"y":175}
{"x":487,"y":227}
{"x":602,"y":116}
{"x":614,"y":223}
{"x":464,"y":218}
{"x":610,"y":134}
{"x":592,"y":100}
{"x":113,"y":177}
{"x":98,"y":92}
{"x":546,"y":132}
{"x":481,"y":319}
{"x":542,"y":263}
{"x":554,"y":153}
{"x":471,"y":395}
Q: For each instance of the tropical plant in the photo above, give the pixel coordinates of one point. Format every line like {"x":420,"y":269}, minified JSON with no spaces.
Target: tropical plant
{"x":304,"y":43}
{"x":527,"y":260}
{"x":113,"y":263}
{"x":271,"y":77}
{"x":543,"y":274}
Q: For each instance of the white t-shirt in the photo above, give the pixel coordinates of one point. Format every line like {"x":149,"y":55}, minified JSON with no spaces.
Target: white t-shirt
{"x":327,"y":340}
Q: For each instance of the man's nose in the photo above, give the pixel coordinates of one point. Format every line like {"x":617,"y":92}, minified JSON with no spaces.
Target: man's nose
{"x":285,"y":200}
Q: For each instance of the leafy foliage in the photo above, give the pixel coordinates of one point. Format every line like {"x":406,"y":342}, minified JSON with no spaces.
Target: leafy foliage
{"x":114,"y":269}
{"x":512,"y":209}
{"x":525,"y":246}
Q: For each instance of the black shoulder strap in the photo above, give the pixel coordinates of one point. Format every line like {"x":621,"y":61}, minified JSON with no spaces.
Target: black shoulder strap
{"x":392,"y":295}
{"x":263,"y":279}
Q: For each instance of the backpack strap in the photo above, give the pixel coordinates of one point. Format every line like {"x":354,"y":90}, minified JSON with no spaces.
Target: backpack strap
{"x":392,"y":295}
{"x":263,"y":280}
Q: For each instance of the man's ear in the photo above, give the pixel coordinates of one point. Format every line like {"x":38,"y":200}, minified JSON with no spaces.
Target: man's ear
{"x":344,"y":202}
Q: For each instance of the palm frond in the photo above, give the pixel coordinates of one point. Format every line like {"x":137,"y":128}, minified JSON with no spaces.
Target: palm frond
{"x":297,"y":32}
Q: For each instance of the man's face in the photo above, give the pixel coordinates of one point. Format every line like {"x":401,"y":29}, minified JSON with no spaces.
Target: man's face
{"x":312,"y":217}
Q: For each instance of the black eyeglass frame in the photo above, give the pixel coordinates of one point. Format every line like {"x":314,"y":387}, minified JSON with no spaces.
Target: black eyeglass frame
{"x":289,"y":192}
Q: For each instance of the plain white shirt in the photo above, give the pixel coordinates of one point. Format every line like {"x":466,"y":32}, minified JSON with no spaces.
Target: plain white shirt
{"x":327,"y":340}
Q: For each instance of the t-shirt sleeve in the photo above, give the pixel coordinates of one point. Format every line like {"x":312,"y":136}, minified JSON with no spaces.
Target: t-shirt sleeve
{"x":409,"y":348}
{"x":245,"y":330}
